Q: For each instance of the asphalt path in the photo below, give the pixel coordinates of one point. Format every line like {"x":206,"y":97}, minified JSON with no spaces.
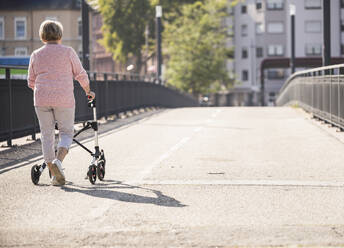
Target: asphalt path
{"x":189,"y":177}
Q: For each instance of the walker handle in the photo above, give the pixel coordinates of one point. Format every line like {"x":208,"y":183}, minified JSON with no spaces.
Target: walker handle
{"x":91,"y":102}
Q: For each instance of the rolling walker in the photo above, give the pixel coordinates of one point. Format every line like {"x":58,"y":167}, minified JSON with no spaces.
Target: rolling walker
{"x":97,"y":167}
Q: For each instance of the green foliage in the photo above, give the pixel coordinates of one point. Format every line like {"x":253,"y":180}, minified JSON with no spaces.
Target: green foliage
{"x":172,"y":8}
{"x":194,"y":39}
{"x":195,"y":45}
{"x":14,"y":71}
{"x":124,"y":26}
{"x":235,"y":2}
{"x":125,"y":22}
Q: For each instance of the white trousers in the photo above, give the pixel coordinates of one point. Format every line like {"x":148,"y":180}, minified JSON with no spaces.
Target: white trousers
{"x":47,"y":117}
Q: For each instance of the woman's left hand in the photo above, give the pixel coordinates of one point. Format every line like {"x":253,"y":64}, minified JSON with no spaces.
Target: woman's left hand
{"x":91,"y":95}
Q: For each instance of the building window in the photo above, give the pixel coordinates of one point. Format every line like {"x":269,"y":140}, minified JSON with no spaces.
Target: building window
{"x":243,"y":9}
{"x":342,"y":25}
{"x":342,"y":49}
{"x":313,"y":49}
{"x":275,"y":50}
{"x":244,"y":53}
{"x":274,"y":4}
{"x":275,"y":27}
{"x":244,"y":75}
{"x":20,"y":28}
{"x":2,"y":28}
{"x":244,"y":30}
{"x":259,"y":28}
{"x":20,"y":51}
{"x":272,"y":98}
{"x":313,"y":26}
{"x":259,"y":52}
{"x":312,"y":4}
{"x":79,"y":27}
{"x":342,"y":3}
{"x":259,"y":4}
{"x":78,"y":3}
{"x":276,"y":74}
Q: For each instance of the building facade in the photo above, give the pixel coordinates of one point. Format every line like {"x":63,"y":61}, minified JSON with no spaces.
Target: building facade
{"x":261,"y":29}
{"x":102,"y":60}
{"x":20,"y":21}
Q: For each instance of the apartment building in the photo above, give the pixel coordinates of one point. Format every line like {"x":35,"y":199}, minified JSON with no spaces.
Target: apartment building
{"x":20,"y":21}
{"x":261,"y":29}
{"x":102,"y":60}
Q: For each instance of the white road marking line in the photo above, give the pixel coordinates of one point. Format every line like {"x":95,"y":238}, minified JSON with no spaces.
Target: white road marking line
{"x":216,"y":113}
{"x":198,"y":129}
{"x":290,"y":183}
{"x":167,"y":154}
{"x":179,"y":144}
{"x":163,"y":157}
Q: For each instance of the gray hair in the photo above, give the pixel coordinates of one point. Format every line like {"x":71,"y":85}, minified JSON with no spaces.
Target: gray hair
{"x":50,"y":30}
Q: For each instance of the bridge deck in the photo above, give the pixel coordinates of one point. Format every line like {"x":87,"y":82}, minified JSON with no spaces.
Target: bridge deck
{"x":188,"y":177}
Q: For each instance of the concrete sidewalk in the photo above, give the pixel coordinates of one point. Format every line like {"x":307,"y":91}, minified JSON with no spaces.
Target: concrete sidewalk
{"x":189,"y":177}
{"x":25,"y":150}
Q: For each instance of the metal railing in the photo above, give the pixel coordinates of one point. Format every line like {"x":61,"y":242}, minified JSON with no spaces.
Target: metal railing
{"x":319,"y":91}
{"x":115,"y":93}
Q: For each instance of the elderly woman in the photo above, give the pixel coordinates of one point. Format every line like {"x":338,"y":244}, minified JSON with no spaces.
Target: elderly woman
{"x":51,"y":71}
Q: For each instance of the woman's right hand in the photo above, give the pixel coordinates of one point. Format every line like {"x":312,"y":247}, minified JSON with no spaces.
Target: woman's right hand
{"x":91,"y":95}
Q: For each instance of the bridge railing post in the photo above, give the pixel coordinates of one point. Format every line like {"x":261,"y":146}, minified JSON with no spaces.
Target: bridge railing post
{"x":318,"y":90}
{"x":340,"y":91}
{"x":106,"y":96}
{"x":10,"y":106}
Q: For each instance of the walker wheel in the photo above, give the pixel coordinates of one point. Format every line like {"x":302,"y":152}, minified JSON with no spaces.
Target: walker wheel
{"x":102,"y":156}
{"x":101,"y":166}
{"x":92,"y":173}
{"x":101,"y":170}
{"x":35,"y":174}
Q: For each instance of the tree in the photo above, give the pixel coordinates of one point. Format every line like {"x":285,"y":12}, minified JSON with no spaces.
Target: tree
{"x":195,"y":43}
{"x":172,"y":8}
{"x":125,"y":22}
{"x":124,"y":26}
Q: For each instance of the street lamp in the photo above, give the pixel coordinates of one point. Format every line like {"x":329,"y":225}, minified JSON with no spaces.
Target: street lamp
{"x":326,"y":33}
{"x":85,"y":35}
{"x":158,"y":16}
{"x":292,"y":10}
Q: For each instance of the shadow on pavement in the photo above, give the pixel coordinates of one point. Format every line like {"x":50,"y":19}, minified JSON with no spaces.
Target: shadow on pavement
{"x":27,"y":153}
{"x":107,"y":190}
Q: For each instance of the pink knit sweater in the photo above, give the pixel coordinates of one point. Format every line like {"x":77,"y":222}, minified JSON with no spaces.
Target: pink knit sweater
{"x":51,"y":71}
